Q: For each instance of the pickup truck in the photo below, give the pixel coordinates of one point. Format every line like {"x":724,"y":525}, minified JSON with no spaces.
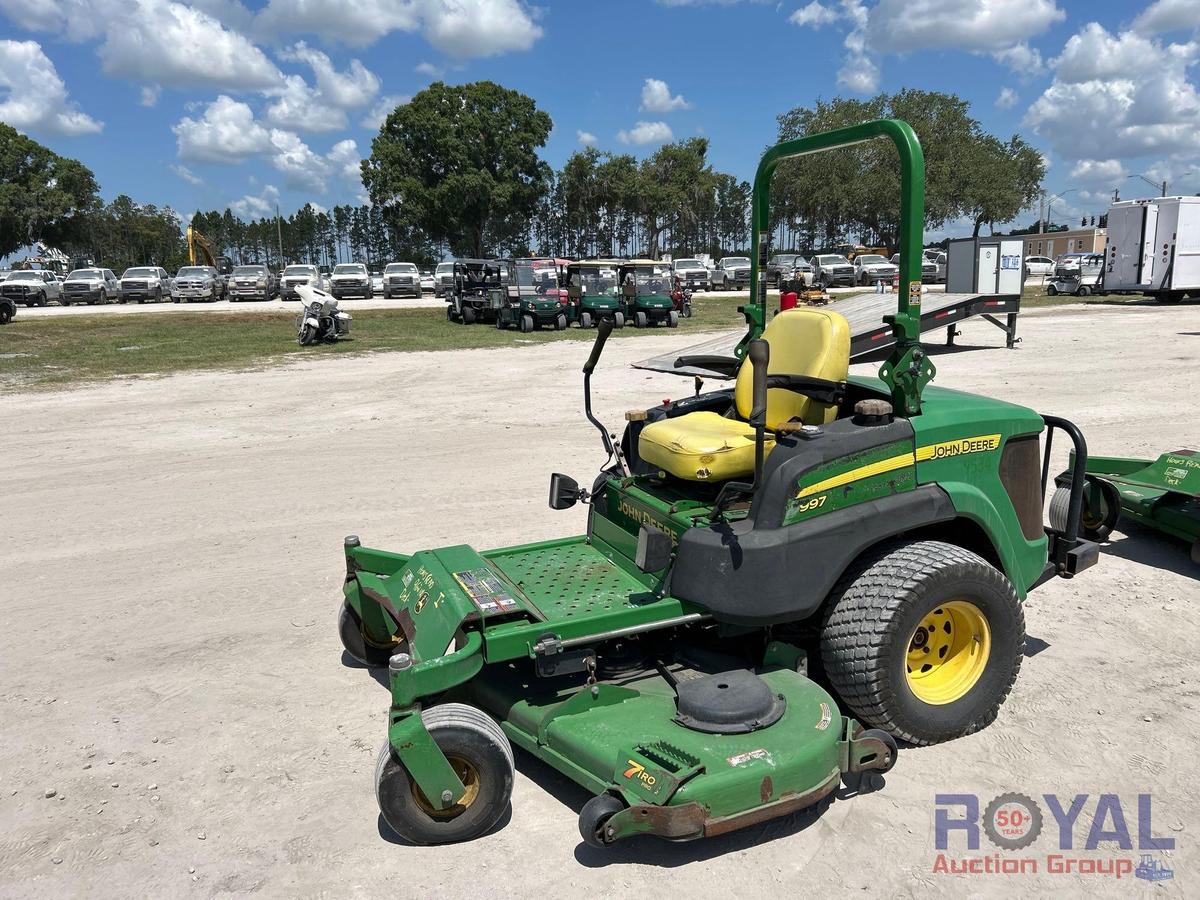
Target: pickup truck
{"x":871,"y":268}
{"x":693,"y":274}
{"x":144,"y":283}
{"x":831,"y":269}
{"x":732,"y":274}
{"x":32,"y":287}
{"x":350,"y":279}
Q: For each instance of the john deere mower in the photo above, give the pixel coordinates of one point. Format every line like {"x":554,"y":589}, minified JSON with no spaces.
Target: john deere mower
{"x":593,"y":292}
{"x":778,"y":581}
{"x":1163,"y":494}
{"x":646,"y":293}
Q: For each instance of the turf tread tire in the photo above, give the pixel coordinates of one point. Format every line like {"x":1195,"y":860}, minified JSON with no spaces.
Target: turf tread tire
{"x":864,"y":617}
{"x":479,"y":728}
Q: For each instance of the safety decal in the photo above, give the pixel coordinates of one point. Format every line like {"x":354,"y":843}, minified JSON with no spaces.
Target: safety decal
{"x":486,"y":591}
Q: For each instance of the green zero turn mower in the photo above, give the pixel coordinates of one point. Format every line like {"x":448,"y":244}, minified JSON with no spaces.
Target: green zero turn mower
{"x":778,"y":581}
{"x":1163,"y":494}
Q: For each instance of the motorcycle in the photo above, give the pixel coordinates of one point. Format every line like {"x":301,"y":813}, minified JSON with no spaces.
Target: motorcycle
{"x":681,"y":296}
{"x":320,"y":319}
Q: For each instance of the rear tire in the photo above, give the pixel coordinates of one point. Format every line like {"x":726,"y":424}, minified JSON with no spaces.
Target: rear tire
{"x":640,"y":319}
{"x":618,"y":320}
{"x":585,"y":320}
{"x":482,"y":757}
{"x":923,"y":640}
{"x":355,"y":642}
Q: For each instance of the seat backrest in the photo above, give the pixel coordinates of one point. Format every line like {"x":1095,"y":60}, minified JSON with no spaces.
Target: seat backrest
{"x":812,"y":342}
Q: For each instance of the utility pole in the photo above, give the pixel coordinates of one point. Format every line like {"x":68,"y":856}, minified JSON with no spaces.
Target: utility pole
{"x":279,"y":232}
{"x":1042,"y":212}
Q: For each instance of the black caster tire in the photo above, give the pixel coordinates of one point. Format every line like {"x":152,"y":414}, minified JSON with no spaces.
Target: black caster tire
{"x":888,"y":741}
{"x":526,"y":324}
{"x":924,"y":640}
{"x":594,"y":817}
{"x":1051,"y":291}
{"x":1099,"y":515}
{"x":350,"y":631}
{"x":480,"y":755}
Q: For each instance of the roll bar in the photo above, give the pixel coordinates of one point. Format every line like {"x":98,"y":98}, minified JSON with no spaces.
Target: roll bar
{"x":907,"y":369}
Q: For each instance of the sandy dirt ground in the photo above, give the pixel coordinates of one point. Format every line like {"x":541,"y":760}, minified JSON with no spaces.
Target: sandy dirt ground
{"x":170,"y":668}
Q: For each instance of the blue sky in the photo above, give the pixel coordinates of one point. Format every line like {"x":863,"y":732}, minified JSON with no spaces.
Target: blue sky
{"x":219,"y":102}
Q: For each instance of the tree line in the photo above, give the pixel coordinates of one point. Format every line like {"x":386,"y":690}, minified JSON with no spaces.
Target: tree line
{"x":456,"y":171}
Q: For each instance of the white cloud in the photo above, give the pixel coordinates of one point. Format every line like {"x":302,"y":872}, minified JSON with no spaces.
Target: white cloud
{"x":158,"y":41}
{"x":377,"y":114}
{"x":32,"y":95}
{"x":905,"y":25}
{"x":656,"y":97}
{"x":1099,"y":171}
{"x":324,"y":105}
{"x":226,"y":133}
{"x":1021,"y":58}
{"x":586,"y":138}
{"x":1007,"y":98}
{"x":646,"y":133}
{"x":1126,"y":94}
{"x":346,"y":161}
{"x":859,"y":73}
{"x":428,"y":68}
{"x":150,"y":94}
{"x":1168,"y":15}
{"x":259,"y":206}
{"x":459,"y":28}
{"x":187,"y":174}
{"x":178,"y":46}
{"x":815,"y":14}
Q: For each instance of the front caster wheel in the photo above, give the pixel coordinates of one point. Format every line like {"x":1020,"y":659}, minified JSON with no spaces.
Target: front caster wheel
{"x":1099,"y":513}
{"x":481,"y":757}
{"x":924,"y":640}
{"x":468,"y":315}
{"x":893,"y":750}
{"x":560,"y":322}
{"x":356,"y":644}
{"x":593,"y":819}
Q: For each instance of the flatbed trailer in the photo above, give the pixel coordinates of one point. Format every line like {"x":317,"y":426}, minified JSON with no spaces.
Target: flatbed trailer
{"x":868,"y":331}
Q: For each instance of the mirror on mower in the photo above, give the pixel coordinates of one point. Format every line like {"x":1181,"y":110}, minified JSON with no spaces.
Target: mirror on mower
{"x":564,"y":491}
{"x":653,"y":550}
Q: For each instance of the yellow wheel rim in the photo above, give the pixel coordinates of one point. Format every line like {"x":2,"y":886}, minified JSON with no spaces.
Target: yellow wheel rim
{"x":468,"y":775}
{"x":948,"y":652}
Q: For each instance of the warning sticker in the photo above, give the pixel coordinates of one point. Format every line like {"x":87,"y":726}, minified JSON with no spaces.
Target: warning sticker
{"x":743,"y":758}
{"x":486,"y":591}
{"x":914,"y":288}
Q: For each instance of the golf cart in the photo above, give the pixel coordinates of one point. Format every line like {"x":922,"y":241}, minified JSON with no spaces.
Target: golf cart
{"x":477,"y":292}
{"x":1163,"y":494}
{"x":646,"y":292}
{"x":1085,"y":276}
{"x":593,"y":293}
{"x":875,"y":532}
{"x":531,"y":298}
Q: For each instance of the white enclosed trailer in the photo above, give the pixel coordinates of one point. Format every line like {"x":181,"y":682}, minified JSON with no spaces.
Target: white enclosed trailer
{"x":1154,"y":247}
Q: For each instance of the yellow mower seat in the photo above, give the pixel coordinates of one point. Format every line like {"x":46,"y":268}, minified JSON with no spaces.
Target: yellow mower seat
{"x":705,"y":446}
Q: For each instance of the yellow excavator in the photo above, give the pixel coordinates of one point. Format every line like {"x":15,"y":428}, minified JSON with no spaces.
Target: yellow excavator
{"x":202,"y":252}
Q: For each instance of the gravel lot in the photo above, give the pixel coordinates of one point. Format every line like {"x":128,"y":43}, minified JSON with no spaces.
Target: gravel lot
{"x":171,"y":670}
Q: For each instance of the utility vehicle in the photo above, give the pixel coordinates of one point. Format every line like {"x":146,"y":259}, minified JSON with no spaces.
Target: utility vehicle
{"x":876,"y":534}
{"x":593,"y":292}
{"x":646,"y":292}
{"x":477,"y":290}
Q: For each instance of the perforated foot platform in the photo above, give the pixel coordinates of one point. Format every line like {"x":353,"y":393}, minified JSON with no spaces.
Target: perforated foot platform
{"x":733,"y":702}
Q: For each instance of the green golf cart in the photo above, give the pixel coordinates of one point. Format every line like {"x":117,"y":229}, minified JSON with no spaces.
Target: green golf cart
{"x":593,"y":293}
{"x":778,"y":581}
{"x":531,"y":298}
{"x":646,"y":293}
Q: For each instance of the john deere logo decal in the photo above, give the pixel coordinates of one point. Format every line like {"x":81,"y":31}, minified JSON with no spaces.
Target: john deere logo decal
{"x":980,"y":444}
